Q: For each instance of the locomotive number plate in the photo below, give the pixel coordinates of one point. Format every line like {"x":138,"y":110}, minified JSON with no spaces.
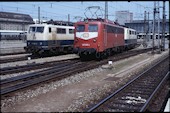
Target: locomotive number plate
{"x":85,"y":44}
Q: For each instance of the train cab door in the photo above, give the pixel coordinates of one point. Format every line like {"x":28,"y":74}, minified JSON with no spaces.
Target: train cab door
{"x":105,"y":36}
{"x":31,"y":33}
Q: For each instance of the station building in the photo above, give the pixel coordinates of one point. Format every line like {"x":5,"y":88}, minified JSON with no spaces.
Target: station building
{"x":123,"y":17}
{"x":15,"y":21}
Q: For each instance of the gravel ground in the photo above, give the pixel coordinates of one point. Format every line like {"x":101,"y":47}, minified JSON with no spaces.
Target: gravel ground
{"x":75,"y":93}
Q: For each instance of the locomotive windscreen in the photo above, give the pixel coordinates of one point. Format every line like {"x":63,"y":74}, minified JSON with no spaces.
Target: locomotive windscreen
{"x":36,"y":29}
{"x":80,"y":28}
{"x":92,"y":28}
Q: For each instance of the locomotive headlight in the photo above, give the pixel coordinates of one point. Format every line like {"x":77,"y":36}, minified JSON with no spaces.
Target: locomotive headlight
{"x":94,"y":40}
{"x":98,"y":45}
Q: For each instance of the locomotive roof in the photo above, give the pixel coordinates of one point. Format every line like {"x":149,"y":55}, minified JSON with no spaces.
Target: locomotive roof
{"x":63,"y":26}
{"x":130,"y":29}
{"x":103,"y":20}
{"x":62,"y":23}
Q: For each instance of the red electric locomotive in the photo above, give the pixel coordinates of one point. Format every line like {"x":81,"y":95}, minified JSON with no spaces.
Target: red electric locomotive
{"x":98,"y":37}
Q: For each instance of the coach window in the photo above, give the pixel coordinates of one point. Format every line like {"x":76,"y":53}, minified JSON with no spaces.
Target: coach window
{"x":71,"y":31}
{"x":93,"y":28}
{"x":80,"y":28}
{"x":61,"y":31}
{"x":151,"y":36}
{"x":49,"y":29}
{"x":156,"y":36}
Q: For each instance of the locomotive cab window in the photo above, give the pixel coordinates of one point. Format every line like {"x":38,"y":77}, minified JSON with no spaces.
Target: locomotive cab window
{"x":93,"y":28}
{"x":32,"y":29}
{"x":40,"y":29}
{"x":80,"y":28}
{"x":36,"y":29}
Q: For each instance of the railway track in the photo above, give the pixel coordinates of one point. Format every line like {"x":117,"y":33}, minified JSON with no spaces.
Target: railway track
{"x":25,"y":57}
{"x":32,"y":66}
{"x":136,"y":95}
{"x":14,"y":84}
{"x":5,"y":54}
{"x":14,"y":59}
{"x":28,"y":67}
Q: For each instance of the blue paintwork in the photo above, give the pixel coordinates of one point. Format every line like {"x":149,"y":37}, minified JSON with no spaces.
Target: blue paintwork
{"x":50,"y":43}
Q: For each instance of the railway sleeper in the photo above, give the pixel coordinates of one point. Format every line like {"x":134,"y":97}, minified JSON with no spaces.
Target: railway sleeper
{"x":142,"y":90}
{"x":144,"y":87}
{"x":123,"y":102}
{"x":123,"y":107}
{"x":138,"y":92}
{"x":138,"y":95}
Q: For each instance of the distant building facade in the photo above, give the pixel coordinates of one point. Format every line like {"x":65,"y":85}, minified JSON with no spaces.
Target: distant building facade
{"x":123,"y":17}
{"x":15,"y":21}
{"x":138,"y":25}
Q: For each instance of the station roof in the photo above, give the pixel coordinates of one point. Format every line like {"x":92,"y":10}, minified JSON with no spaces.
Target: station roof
{"x":9,"y":16}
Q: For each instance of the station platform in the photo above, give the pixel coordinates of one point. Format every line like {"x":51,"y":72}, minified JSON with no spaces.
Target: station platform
{"x":12,"y":46}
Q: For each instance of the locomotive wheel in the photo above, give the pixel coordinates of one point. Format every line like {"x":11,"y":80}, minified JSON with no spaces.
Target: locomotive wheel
{"x":108,"y":52}
{"x":100,"y":55}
